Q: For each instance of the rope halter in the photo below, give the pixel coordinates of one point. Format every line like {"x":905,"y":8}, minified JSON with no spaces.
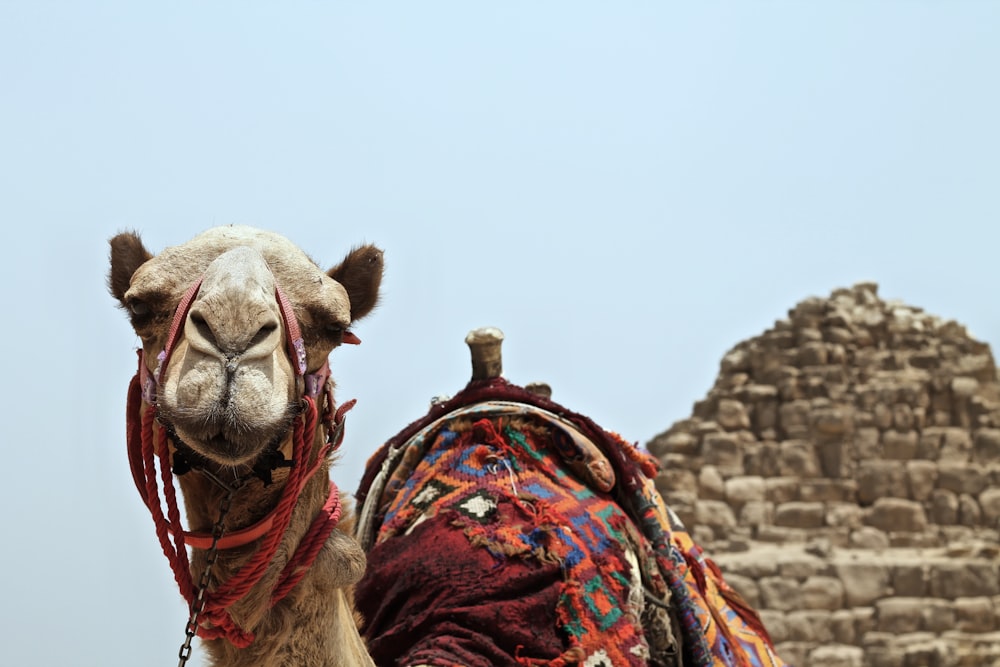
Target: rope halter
{"x":145,"y":456}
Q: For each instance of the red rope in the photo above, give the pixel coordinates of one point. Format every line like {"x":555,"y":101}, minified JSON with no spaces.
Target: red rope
{"x":216,"y":611}
{"x":310,"y":546}
{"x":175,"y":552}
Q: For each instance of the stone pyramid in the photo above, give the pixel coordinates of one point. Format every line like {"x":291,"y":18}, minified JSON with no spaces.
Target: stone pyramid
{"x":844,"y":470}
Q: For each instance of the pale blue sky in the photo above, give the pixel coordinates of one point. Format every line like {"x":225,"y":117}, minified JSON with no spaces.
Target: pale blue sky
{"x":626,"y":189}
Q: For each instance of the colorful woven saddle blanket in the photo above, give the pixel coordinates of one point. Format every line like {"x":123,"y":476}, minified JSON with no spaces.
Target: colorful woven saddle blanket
{"x":503,"y":529}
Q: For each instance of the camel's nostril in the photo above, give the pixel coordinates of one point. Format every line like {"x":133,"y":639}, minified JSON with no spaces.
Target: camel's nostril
{"x":262,"y":335}
{"x":203,"y":328}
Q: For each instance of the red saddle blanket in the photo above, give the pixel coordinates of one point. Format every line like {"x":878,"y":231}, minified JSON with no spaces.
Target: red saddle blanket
{"x":503,"y":529}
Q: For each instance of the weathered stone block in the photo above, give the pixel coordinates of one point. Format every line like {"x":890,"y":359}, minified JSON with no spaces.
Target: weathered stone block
{"x":929,"y":445}
{"x":899,"y":445}
{"x":798,"y":458}
{"x":928,"y":359}
{"x":711,"y":485}
{"x":956,"y":579}
{"x":723,"y":451}
{"x":964,"y":387}
{"x":794,"y":653}
{"x":680,"y":461}
{"x":881,"y":479}
{"x":867,"y":537}
{"x":866,"y":443}
{"x":755,"y":564}
{"x":969,"y":513}
{"x":864,"y":620}
{"x":843,"y":515}
{"x":674,"y":479}
{"x":961,"y":478}
{"x":944,"y":507}
{"x":813,"y":353}
{"x":678,"y":442}
{"x":782,"y":489}
{"x":822,"y":592}
{"x":702,"y":534}
{"x":757,"y":513}
{"x":836,"y":656}
{"x":974,"y":614}
{"x":794,"y":418}
{"x":921,"y":476}
{"x":832,"y":421}
{"x":902,"y":417}
{"x":899,"y":615}
{"x":837,"y":357}
{"x":929,"y":539}
{"x":864,"y":582}
{"x":956,"y":445}
{"x":764,"y":416}
{"x":828,"y":490}
{"x":898,"y":515}
{"x":989,"y":501}
{"x":883,"y":416}
{"x":881,"y":650}
{"x":761,"y":459}
{"x":987,"y":445}
{"x":909,"y":580}
{"x":834,"y":457}
{"x":715,"y":514}
{"x":843,"y":627}
{"x":740,"y":490}
{"x":809,"y":626}
{"x":703,"y":427}
{"x":799,"y":515}
{"x":780,"y":593}
{"x":938,"y":615}
{"x":736,"y":360}
{"x":947,"y":443}
{"x":732,"y":415}
{"x":927,"y":652}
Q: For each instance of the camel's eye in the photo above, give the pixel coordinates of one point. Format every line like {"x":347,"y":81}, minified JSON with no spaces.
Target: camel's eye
{"x":139,"y":308}
{"x":323,"y":326}
{"x":335,"y":332}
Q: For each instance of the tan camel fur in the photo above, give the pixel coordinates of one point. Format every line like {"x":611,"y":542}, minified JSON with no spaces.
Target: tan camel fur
{"x":229,"y":393}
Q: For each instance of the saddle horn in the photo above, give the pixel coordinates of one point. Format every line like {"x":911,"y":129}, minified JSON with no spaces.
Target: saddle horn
{"x":484,"y":345}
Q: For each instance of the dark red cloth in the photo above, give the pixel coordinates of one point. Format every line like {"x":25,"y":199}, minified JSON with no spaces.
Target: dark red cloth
{"x":429,"y":599}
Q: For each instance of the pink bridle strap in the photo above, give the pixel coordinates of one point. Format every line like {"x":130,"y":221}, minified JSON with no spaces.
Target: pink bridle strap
{"x":296,"y":346}
{"x":180,"y":315}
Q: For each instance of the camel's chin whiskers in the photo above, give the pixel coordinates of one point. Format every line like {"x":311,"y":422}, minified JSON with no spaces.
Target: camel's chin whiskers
{"x":221,"y":451}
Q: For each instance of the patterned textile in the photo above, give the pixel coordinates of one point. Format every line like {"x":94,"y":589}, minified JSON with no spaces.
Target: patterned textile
{"x":503,"y":529}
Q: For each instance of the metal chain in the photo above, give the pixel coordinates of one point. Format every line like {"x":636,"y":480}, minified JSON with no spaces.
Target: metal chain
{"x":200,"y":598}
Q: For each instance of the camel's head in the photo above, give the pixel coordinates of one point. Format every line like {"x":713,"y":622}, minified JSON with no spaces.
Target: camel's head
{"x":229,"y":388}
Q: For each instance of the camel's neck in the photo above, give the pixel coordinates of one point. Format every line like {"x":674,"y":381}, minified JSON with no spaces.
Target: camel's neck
{"x":314,"y":625}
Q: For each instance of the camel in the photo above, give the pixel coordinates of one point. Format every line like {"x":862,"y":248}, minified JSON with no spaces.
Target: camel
{"x":500,"y":528}
{"x":236,"y":327}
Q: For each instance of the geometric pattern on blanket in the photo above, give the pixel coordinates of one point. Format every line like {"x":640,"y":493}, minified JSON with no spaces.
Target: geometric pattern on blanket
{"x":493,"y":538}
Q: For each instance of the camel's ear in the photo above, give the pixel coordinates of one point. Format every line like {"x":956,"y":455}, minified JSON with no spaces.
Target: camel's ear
{"x":127,"y":255}
{"x":361,"y":275}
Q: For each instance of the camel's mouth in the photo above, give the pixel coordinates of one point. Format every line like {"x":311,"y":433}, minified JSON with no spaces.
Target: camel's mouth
{"x":227,"y":451}
{"x":231,"y":443}
{"x":221,"y":449}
